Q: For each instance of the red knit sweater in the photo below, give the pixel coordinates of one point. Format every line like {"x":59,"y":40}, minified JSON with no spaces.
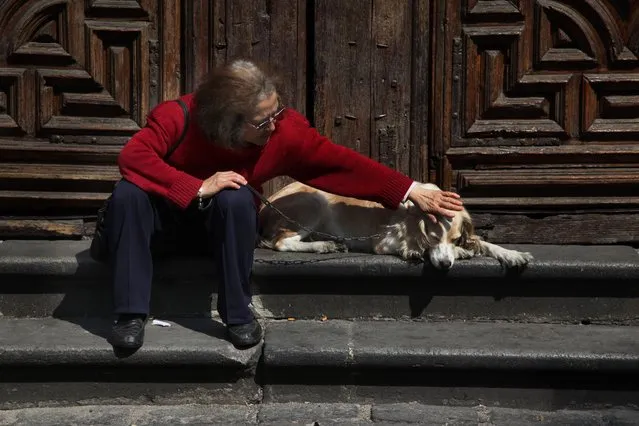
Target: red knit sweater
{"x":295,"y":149}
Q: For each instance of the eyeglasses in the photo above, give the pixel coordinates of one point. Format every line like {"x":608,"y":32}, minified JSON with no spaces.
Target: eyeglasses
{"x":268,"y":120}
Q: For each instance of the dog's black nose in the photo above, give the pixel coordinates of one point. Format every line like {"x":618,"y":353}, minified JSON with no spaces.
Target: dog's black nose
{"x":445,"y":264}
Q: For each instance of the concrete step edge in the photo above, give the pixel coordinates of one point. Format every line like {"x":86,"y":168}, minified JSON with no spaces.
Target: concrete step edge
{"x":420,"y":345}
{"x":71,"y":259}
{"x":58,"y":342}
{"x":311,"y":413}
{"x":332,"y":344}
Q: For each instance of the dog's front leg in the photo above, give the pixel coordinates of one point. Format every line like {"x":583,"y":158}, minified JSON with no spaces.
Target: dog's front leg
{"x":462,"y":253}
{"x":508,"y":258}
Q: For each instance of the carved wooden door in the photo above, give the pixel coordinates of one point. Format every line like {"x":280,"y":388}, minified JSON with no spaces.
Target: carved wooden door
{"x":532,"y":112}
{"x":77,"y":78}
{"x":539,"y":105}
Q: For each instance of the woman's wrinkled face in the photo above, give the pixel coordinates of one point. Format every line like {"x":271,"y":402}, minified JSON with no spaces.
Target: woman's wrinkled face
{"x":259,"y":128}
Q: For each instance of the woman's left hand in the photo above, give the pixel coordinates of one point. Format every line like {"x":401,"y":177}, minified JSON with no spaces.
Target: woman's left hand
{"x":434,"y":202}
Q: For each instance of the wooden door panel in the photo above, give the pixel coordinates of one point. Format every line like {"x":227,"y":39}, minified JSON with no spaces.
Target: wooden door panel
{"x":89,"y":91}
{"x":272,"y":33}
{"x":85,"y":72}
{"x":342,"y":105}
{"x":539,"y":109}
{"x":366,"y":90}
{"x":77,"y":79}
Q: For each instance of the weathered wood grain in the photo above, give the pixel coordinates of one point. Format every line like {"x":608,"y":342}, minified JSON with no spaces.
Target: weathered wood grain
{"x":42,"y":203}
{"x":57,"y":177}
{"x":58,"y":171}
{"x":534,"y":180}
{"x":287,"y":50}
{"x":551,"y":205}
{"x":196,"y":44}
{"x":443,"y":46}
{"x":577,"y":154}
{"x":342,"y":66}
{"x":30,"y":151}
{"x":241,"y":30}
{"x":170,"y":53}
{"x":421,"y":77}
{"x":391,"y":83}
{"x":559,"y":229}
{"x":128,"y":9}
{"x":41,"y":228}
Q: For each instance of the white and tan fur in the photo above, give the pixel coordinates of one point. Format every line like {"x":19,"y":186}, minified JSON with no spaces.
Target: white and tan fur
{"x":405,"y":232}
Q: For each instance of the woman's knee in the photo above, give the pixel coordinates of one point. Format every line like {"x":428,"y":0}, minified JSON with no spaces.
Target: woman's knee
{"x":236,"y":200}
{"x":128,"y":194}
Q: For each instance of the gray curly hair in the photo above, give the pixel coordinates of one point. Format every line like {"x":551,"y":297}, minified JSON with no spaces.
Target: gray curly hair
{"x":228,"y":98}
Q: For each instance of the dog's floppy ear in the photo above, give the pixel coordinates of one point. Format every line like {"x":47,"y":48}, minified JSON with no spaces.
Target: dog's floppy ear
{"x":468,"y":239}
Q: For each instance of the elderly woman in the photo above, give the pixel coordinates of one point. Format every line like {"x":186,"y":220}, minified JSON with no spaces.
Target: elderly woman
{"x":240,"y":133}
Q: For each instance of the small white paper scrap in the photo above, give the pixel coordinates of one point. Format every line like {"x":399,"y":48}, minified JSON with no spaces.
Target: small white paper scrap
{"x":161,"y":323}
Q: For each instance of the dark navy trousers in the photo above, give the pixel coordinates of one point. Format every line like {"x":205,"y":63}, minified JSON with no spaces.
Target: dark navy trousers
{"x":134,"y":217}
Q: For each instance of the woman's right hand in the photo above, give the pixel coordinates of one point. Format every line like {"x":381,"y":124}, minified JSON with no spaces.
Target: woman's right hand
{"x":220,"y":181}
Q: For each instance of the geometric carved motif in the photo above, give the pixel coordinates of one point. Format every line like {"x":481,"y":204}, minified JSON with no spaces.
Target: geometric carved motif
{"x":552,"y":70}
{"x":119,"y":8}
{"x":614,"y":98}
{"x":12,"y":121}
{"x":89,"y":76}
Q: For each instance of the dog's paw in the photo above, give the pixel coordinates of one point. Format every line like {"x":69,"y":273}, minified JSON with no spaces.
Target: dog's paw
{"x":412,"y":256}
{"x":516,"y":259}
{"x":333,"y":247}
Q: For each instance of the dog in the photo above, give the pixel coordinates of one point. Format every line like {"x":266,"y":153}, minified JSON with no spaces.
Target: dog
{"x":405,"y":232}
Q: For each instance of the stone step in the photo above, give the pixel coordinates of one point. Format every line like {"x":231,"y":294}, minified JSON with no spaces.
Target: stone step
{"x":47,"y":361}
{"x":590,"y":284}
{"x":312,"y":414}
{"x":421,"y":345}
{"x":52,"y":362}
{"x":541,"y":366}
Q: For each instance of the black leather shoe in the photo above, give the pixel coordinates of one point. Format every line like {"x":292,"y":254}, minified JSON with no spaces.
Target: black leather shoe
{"x":128,"y":332}
{"x":245,"y":335}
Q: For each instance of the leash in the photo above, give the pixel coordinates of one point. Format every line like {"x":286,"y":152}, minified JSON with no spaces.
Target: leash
{"x":310,"y":231}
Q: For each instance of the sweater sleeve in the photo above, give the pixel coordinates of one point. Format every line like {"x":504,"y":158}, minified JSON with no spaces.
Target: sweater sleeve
{"x":141,"y":160}
{"x":317,"y":161}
